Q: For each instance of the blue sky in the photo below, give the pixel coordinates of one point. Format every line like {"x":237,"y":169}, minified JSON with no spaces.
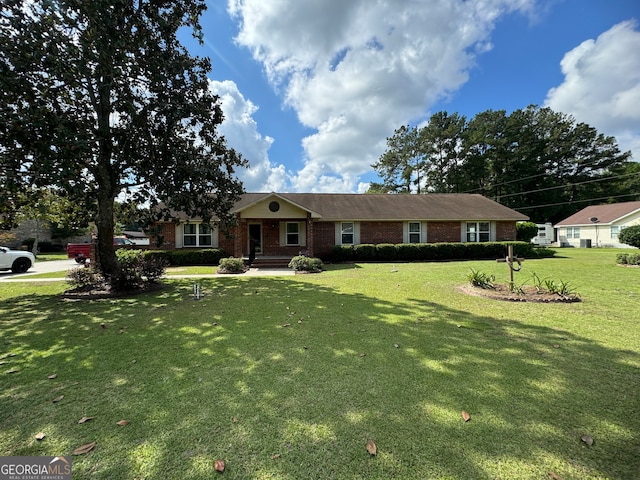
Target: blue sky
{"x":311,"y":90}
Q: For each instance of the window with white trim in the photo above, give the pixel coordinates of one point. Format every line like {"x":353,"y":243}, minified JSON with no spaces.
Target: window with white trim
{"x":415,"y":234}
{"x":573,"y":232}
{"x":347,"y":231}
{"x":293,"y":233}
{"x":615,"y":231}
{"x":197,"y":235}
{"x":478,"y":231}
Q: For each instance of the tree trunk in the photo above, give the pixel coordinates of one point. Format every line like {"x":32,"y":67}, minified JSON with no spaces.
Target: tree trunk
{"x":108,"y":263}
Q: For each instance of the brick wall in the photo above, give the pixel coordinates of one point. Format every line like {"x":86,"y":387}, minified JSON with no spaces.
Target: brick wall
{"x":443,"y":232}
{"x":325,"y":238}
{"x":381,"y":232}
{"x":505,"y":231}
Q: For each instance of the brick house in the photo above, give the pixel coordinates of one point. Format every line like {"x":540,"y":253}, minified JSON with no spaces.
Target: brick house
{"x":286,"y":224}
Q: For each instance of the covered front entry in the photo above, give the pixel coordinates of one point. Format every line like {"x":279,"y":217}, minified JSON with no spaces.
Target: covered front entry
{"x":255,"y":238}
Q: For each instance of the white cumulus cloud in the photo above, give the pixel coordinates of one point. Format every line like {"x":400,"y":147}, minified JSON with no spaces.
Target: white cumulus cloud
{"x":356,"y":70}
{"x":602,"y":85}
{"x":241,"y":132}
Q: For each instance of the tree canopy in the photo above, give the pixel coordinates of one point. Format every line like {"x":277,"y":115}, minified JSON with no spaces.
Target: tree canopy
{"x":99,"y":99}
{"x":540,"y":162}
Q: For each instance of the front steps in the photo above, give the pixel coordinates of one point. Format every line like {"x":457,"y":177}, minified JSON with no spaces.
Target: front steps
{"x":270,"y":262}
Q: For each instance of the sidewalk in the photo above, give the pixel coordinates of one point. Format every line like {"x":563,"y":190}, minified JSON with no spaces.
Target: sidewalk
{"x":253,"y":272}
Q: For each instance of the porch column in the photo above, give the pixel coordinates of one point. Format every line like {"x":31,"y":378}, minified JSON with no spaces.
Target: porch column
{"x":309,"y":235}
{"x":237,"y":237}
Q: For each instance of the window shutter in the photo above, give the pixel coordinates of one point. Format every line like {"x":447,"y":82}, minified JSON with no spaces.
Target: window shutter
{"x":302,"y":229}
{"x":283,"y":233}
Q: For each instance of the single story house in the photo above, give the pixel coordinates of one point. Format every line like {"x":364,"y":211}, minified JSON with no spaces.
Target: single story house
{"x":598,"y":225}
{"x":287,"y":224}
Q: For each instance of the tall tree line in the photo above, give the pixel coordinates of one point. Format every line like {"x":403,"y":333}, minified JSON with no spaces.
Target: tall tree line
{"x":535,"y":160}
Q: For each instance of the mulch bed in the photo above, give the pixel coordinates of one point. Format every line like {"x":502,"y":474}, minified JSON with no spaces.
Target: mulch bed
{"x":103,"y":293}
{"x":531,"y":294}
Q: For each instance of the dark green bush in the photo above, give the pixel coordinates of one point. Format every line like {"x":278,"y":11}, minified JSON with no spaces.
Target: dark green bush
{"x":136,"y":269}
{"x":302,"y":263}
{"x":630,"y":236}
{"x":28,"y":242}
{"x":342,"y":253}
{"x":386,"y":252}
{"x":438,"y":251}
{"x":365,"y":252}
{"x":525,"y":231}
{"x":190,"y":257}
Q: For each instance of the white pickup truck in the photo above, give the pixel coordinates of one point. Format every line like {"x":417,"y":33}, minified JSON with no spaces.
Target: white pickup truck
{"x":17,"y":261}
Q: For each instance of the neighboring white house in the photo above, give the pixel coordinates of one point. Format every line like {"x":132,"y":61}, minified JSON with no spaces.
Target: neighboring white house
{"x":598,"y":225}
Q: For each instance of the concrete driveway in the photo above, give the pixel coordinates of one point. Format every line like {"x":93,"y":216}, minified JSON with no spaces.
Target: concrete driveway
{"x":40,"y":267}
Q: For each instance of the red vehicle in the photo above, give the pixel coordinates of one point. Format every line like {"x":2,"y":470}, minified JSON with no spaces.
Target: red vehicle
{"x":82,"y":251}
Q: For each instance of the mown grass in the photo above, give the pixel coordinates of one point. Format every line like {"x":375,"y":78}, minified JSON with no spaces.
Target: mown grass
{"x":306,"y":369}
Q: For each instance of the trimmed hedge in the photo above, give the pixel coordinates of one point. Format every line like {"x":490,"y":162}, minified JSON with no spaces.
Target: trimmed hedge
{"x":189,"y":257}
{"x":435,"y":251}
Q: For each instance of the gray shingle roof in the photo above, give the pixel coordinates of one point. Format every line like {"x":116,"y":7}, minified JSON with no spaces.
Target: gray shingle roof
{"x":434,"y":207}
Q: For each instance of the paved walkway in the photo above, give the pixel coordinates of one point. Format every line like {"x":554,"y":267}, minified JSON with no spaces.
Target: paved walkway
{"x":61,"y":267}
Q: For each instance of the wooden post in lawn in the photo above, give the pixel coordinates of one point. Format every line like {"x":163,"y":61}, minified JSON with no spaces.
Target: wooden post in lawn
{"x":510,"y":259}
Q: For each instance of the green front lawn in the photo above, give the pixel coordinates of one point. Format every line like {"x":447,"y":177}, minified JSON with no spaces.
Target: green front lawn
{"x":289,"y":377}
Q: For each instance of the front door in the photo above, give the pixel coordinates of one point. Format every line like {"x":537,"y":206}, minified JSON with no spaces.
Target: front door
{"x":255,"y":234}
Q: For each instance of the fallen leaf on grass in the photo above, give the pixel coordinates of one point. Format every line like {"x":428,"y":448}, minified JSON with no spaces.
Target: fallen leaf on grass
{"x":51,"y":377}
{"x":235,"y":419}
{"x":466,"y":416}
{"x":286,"y":325}
{"x":85,"y":419}
{"x":587,"y":439}
{"x":40,"y":435}
{"x":555,"y":345}
{"x":57,"y":399}
{"x":554,"y":476}
{"x":363,"y":354}
{"x":371,"y":448}
{"x":122,"y":423}
{"x":86,"y":448}
{"x":219,"y":465}
{"x":276,"y":456}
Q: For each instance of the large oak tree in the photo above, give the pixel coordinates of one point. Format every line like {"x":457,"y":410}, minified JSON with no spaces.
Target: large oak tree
{"x":99,"y":98}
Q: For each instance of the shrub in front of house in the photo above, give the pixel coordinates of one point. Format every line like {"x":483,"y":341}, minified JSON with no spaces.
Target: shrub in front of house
{"x":231,"y":265}
{"x":437,"y":251}
{"x":386,"y":252}
{"x":137,"y":269}
{"x":630,"y":236}
{"x":342,"y":253}
{"x":190,"y":257}
{"x":365,"y":252}
{"x":302,"y":263}
{"x":85,"y":278}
